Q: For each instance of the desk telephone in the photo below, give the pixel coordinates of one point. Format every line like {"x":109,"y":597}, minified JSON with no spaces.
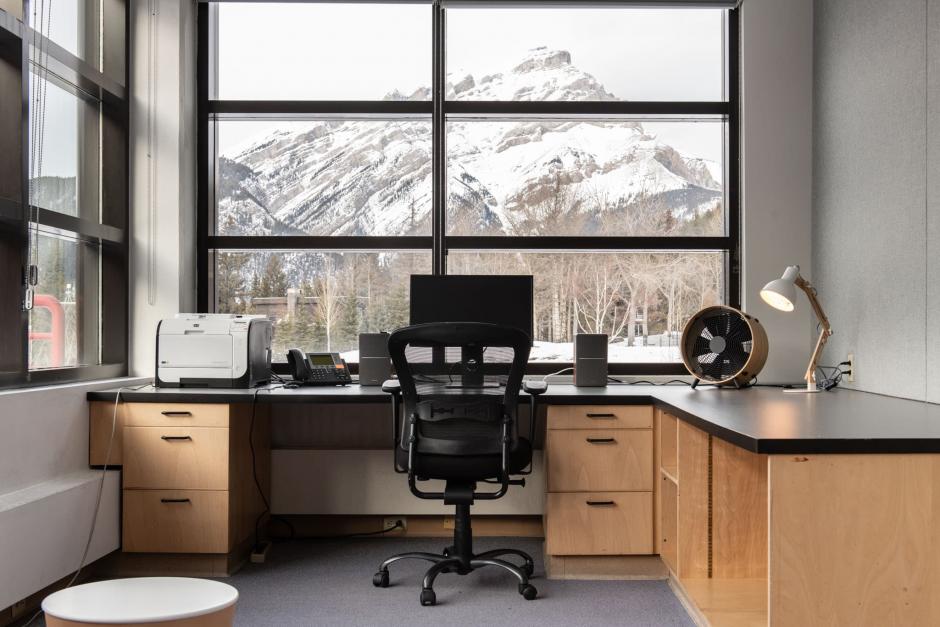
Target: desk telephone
{"x":318,"y":368}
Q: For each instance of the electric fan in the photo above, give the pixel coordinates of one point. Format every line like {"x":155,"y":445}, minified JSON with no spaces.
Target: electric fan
{"x":724,"y":346}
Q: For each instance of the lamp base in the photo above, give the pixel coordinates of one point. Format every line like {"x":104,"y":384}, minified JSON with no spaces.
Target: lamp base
{"x":809,"y":389}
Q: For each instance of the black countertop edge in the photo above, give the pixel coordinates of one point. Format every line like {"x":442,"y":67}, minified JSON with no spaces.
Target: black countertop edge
{"x":769,"y":446}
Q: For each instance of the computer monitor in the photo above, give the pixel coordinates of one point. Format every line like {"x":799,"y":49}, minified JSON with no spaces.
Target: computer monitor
{"x":505,"y":300}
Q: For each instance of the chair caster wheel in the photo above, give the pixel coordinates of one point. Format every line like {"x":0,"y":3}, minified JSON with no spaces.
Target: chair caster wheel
{"x":428,"y":597}
{"x":528,"y":591}
{"x":380,"y":579}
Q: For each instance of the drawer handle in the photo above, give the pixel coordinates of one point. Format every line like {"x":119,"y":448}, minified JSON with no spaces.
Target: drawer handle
{"x":170,"y":438}
{"x":175,"y":501}
{"x":601,"y":503}
{"x":602,"y":416}
{"x":600,"y":440}
{"x":177,"y":414}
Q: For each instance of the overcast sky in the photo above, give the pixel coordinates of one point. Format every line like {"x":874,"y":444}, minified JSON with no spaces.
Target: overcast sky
{"x":346,"y":52}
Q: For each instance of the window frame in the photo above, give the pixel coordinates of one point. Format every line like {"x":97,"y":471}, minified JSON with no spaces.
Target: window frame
{"x":438,"y":110}
{"x":109,"y":232}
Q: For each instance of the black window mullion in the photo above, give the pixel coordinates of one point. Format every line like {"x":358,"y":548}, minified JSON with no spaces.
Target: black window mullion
{"x":438,"y":142}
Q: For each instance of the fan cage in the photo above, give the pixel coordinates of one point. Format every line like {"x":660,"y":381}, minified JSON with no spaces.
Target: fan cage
{"x":723,"y":345}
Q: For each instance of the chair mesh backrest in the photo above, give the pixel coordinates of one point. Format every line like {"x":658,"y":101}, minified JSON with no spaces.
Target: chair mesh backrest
{"x":460,"y":379}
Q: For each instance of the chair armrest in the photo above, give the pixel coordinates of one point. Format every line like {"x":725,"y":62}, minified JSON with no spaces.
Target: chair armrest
{"x":391,"y":386}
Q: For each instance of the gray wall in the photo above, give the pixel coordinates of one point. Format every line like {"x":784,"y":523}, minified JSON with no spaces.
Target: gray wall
{"x":876,"y":189}
{"x":777,"y":171}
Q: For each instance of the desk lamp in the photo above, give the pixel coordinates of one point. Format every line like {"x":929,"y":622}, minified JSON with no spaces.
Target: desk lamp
{"x":781,"y":294}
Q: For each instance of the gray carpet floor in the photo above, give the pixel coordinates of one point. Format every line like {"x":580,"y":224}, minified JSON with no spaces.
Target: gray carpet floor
{"x":330,"y":583}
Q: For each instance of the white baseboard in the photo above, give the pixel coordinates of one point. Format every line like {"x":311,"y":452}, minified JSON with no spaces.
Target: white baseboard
{"x":44,"y":527}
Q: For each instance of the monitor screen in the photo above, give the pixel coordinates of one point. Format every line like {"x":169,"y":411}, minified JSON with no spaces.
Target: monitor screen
{"x":505,"y":300}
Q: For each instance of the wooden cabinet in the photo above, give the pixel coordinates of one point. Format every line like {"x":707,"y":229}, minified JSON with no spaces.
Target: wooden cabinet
{"x":188,"y":485}
{"x":599,"y":466}
{"x":712,"y":524}
{"x":610,"y":460}
{"x":599,"y":523}
{"x":176,"y":521}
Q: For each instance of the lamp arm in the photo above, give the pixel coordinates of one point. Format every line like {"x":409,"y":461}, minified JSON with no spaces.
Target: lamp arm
{"x":824,"y":332}
{"x":807,"y":287}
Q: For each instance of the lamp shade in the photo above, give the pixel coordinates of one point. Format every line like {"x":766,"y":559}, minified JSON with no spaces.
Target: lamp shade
{"x":781,"y":293}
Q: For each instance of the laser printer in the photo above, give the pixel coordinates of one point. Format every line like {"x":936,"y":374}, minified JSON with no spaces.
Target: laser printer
{"x":213,"y":351}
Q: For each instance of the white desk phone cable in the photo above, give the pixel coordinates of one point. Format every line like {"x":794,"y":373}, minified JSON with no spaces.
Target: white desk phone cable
{"x":104,"y":474}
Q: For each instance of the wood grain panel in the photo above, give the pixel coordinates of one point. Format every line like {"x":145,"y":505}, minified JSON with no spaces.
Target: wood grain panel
{"x":176,"y":521}
{"x":668,"y":526}
{"x":176,"y":415}
{"x":621,"y":523}
{"x":600,"y":416}
{"x":153,"y":460}
{"x":668,"y":426}
{"x":692,"y":511}
{"x":101,"y":417}
{"x":853,"y":540}
{"x":246,"y":503}
{"x":600,"y":460}
{"x":219,"y":618}
{"x":729,"y":602}
{"x":739,"y":512}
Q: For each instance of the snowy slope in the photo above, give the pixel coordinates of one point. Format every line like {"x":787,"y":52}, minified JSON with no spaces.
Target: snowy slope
{"x":374,"y":178}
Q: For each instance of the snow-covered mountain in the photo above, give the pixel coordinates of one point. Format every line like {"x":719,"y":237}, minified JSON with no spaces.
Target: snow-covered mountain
{"x":374,"y":178}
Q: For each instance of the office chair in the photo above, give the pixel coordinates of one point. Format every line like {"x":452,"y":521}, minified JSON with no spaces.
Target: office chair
{"x":458,"y":392}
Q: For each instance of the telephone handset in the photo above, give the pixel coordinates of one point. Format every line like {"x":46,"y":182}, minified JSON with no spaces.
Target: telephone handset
{"x":318,"y":368}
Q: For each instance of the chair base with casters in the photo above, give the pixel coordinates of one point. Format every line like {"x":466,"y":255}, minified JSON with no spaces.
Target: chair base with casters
{"x":459,"y":558}
{"x":459,"y":423}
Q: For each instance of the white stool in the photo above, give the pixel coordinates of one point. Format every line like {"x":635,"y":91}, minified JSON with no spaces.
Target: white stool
{"x":153,"y":601}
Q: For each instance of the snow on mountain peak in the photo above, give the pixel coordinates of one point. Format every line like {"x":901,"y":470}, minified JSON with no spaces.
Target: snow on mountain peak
{"x":542,"y":58}
{"x":365,"y":177}
{"x":543,"y":74}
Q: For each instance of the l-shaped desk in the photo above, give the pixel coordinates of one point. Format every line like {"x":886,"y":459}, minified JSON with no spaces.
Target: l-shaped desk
{"x":765,"y":507}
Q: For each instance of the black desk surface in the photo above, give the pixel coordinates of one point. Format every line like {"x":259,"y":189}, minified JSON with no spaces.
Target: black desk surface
{"x":760,"y":419}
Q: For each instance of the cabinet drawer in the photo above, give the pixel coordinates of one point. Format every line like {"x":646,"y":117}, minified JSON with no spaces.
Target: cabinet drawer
{"x":600,"y":417}
{"x":599,"y":523}
{"x":176,"y":458}
{"x":175,"y":415}
{"x":176,"y":521}
{"x":599,"y":460}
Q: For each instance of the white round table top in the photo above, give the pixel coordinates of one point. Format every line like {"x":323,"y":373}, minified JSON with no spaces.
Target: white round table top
{"x":140,"y":600}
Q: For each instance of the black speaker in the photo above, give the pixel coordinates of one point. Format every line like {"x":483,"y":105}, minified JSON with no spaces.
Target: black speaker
{"x":375,"y":365}
{"x":590,"y":359}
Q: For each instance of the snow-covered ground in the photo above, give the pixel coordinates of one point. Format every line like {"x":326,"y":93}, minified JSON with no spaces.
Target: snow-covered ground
{"x":563,"y":352}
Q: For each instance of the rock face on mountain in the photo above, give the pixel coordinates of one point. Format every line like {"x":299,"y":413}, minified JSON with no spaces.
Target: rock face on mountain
{"x":553,"y":177}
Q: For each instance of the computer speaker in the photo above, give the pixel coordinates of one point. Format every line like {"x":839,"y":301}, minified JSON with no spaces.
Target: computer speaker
{"x":375,"y":365}
{"x":590,"y":359}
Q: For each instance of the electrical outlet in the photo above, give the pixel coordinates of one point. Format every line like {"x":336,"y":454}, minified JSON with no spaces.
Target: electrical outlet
{"x":398,"y":521}
{"x":449,"y":522}
{"x":18,"y":609}
{"x":851,"y":367}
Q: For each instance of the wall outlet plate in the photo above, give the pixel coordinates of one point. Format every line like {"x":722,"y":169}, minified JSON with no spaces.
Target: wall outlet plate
{"x":851,"y":376}
{"x":391,"y":523}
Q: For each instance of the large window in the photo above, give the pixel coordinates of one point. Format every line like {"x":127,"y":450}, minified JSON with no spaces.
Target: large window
{"x":63,"y":191}
{"x":346,"y":146}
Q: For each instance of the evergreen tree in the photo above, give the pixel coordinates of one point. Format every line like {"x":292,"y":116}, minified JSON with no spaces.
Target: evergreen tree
{"x":230,"y":283}
{"x":273,"y":280}
{"x":349,"y":322}
{"x":303,"y":324}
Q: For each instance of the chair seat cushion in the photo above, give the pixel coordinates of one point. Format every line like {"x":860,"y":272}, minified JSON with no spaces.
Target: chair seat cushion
{"x":467,"y":467}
